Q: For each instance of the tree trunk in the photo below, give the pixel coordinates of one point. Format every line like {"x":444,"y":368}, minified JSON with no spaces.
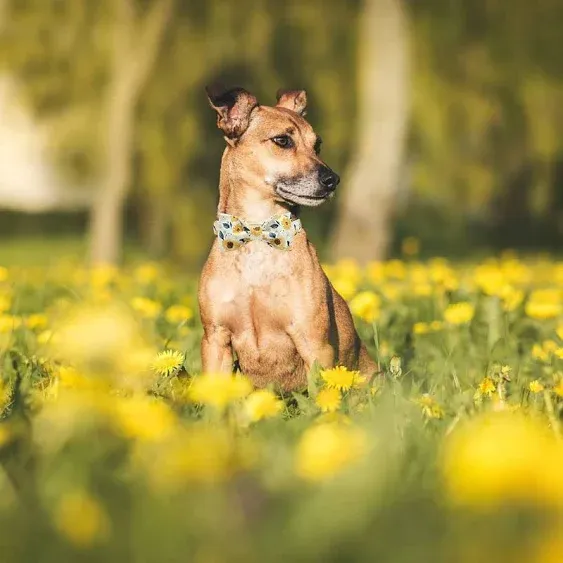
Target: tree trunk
{"x":364,"y":228}
{"x":135,"y":50}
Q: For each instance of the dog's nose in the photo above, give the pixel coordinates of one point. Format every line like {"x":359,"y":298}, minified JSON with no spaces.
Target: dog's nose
{"x":328,"y":178}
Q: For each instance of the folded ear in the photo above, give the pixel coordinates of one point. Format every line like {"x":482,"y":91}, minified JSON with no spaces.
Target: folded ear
{"x":233,"y":109}
{"x":295,"y":100}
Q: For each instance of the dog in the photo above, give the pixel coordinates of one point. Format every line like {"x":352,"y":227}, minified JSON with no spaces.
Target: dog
{"x":262,"y":293}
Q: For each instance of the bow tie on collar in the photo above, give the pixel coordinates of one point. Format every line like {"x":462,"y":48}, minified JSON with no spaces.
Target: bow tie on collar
{"x":278,"y":231}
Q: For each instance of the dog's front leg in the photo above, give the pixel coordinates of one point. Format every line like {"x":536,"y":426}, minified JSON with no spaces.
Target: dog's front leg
{"x":313,"y":347}
{"x":216,"y":351}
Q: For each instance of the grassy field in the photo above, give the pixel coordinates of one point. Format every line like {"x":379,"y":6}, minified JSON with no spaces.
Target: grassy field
{"x":113,"y":447}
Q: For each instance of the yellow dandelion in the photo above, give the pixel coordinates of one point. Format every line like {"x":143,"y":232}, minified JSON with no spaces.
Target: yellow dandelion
{"x":539,"y":353}
{"x":559,"y":353}
{"x":147,"y":308}
{"x":487,"y":387}
{"x":143,"y":418}
{"x":365,"y":305}
{"x":544,"y":304}
{"x":346,"y":287}
{"x":421,"y":328}
{"x":536,"y":386}
{"x":493,"y":459}
{"x":262,"y":404}
{"x":339,"y":378}
{"x":558,"y":389}
{"x":459,"y":313}
{"x":327,"y":449}
{"x":81,"y":519}
{"x":168,"y":362}
{"x":147,"y":273}
{"x":177,"y":314}
{"x":219,"y":390}
{"x":36,"y":321}
{"x":328,"y":400}
{"x":429,"y":407}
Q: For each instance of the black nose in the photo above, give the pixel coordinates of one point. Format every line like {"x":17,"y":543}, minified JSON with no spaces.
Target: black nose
{"x":328,"y":178}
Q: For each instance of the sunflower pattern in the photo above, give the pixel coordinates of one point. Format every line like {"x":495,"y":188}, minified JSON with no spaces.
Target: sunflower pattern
{"x":277,"y":231}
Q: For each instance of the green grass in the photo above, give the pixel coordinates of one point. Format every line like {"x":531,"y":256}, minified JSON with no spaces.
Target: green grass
{"x":451,"y":454}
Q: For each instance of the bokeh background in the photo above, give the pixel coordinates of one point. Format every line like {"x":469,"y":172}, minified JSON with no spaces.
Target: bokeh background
{"x":444,"y":119}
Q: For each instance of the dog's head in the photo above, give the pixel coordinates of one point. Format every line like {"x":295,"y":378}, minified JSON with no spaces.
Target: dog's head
{"x":274,"y":149}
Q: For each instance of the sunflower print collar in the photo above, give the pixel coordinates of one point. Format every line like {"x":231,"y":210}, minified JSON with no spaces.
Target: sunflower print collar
{"x":278,"y":231}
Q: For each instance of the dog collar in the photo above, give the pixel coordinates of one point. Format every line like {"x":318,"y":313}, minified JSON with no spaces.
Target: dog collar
{"x":278,"y":231}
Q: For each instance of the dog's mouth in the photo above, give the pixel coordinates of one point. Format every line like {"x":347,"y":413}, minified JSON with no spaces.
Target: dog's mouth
{"x":308,"y":200}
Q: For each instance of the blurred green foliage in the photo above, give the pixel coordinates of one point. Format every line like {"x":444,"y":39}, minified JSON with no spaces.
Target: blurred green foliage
{"x":487,"y":98}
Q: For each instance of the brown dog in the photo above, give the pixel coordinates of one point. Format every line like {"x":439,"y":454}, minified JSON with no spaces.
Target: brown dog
{"x":274,"y":307}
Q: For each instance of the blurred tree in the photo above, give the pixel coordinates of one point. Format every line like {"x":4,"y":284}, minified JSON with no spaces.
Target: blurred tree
{"x":364,"y":228}
{"x":134,"y":49}
{"x":84,"y":65}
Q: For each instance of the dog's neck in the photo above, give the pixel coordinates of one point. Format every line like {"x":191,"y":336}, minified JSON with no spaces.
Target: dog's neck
{"x":236,"y":198}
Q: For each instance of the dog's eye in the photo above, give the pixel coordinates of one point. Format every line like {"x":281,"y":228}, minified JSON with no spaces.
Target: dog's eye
{"x":318,"y":145}
{"x":284,"y":141}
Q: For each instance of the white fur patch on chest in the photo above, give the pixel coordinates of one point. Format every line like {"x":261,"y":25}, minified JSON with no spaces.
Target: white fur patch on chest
{"x":259,"y":265}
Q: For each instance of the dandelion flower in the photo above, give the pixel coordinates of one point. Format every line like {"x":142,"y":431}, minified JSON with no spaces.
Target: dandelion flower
{"x":421,"y":328}
{"x":177,"y":314}
{"x":539,"y":353}
{"x":36,"y":321}
{"x":262,"y":404}
{"x":365,"y":305}
{"x":219,"y":390}
{"x":429,"y":407}
{"x":168,"y":362}
{"x":147,"y":308}
{"x":339,"y":378}
{"x":536,"y":386}
{"x":81,"y":519}
{"x":487,"y":387}
{"x":328,"y":400}
{"x":326,"y":449}
{"x":544,"y":304}
{"x":493,"y":460}
{"x":459,"y":313}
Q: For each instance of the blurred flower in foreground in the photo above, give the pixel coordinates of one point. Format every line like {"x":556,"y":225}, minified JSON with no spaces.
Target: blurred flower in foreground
{"x":502,"y":458}
{"x":168,"y":362}
{"x":365,"y":305}
{"x":328,"y":400}
{"x":218,"y":390}
{"x":176,"y":314}
{"x":339,"y":378}
{"x":147,"y":308}
{"x":198,"y":454}
{"x":262,"y":404}
{"x":459,"y":313}
{"x":81,"y":519}
{"x":144,"y":418}
{"x":326,"y":449}
{"x":96,"y":338}
{"x":544,"y":304}
{"x":536,"y":386}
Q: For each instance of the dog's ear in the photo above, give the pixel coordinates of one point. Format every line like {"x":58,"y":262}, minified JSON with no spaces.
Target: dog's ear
{"x":233,"y":109}
{"x":295,"y":100}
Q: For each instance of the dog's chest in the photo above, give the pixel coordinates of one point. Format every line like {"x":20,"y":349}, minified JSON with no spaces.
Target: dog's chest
{"x":258,"y":266}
